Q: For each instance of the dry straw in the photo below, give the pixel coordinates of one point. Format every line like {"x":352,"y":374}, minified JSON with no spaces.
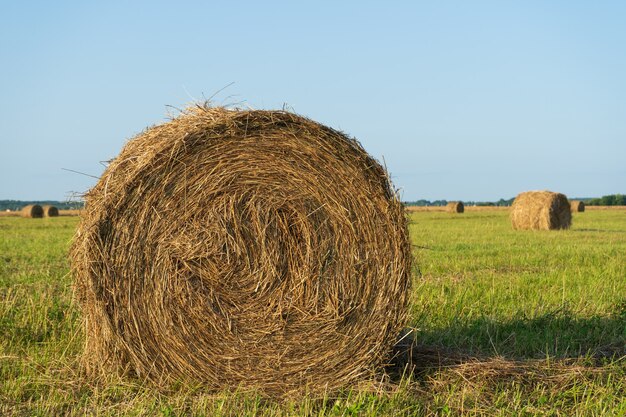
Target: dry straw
{"x":541,"y":210}
{"x":32,"y":211}
{"x":242,"y":249}
{"x":455,"y":207}
{"x":577,"y":206}
{"x":50,"y":211}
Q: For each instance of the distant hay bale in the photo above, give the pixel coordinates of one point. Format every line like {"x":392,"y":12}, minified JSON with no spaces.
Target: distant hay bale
{"x":540,"y":210}
{"x":577,"y":206}
{"x":455,"y":207}
{"x":32,"y":211}
{"x":50,"y":211}
{"x":242,"y":249}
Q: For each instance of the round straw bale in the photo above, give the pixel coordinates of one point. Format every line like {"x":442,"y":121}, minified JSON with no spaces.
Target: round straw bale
{"x":540,"y":210}
{"x":577,"y":206}
{"x":455,"y":207}
{"x":50,"y":211}
{"x":32,"y":211}
{"x":242,"y":249}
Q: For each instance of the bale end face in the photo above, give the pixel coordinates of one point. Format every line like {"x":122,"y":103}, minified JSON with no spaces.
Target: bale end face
{"x":271,"y":275}
{"x":541,"y":210}
{"x":33,"y":211}
{"x":577,"y":206}
{"x":455,"y":207}
{"x":50,"y":211}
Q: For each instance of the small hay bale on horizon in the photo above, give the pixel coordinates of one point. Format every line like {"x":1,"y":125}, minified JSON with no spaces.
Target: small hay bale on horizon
{"x":50,"y":211}
{"x":541,"y":210}
{"x":577,"y":206}
{"x":272,"y":275}
{"x":455,"y":207}
{"x":32,"y":211}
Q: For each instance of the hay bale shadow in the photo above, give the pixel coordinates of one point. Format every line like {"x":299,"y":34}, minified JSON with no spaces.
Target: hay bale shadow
{"x":410,"y":357}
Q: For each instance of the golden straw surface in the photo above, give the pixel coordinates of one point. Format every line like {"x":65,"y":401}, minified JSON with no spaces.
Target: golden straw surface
{"x":50,"y":211}
{"x":32,"y":211}
{"x":242,"y":249}
{"x":577,"y":206}
{"x":541,"y":210}
{"x":455,"y":207}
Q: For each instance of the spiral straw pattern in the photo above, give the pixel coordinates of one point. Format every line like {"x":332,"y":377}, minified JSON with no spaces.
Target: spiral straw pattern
{"x":242,"y":249}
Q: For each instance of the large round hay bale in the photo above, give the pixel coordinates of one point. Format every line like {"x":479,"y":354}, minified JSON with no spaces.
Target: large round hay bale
{"x":455,"y":207}
{"x":50,"y":211}
{"x":540,"y":210}
{"x":577,"y":206}
{"x":242,"y":249}
{"x":32,"y":211}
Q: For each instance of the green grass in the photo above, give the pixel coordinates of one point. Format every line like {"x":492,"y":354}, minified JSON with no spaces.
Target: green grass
{"x":521,"y":323}
{"x":488,"y":289}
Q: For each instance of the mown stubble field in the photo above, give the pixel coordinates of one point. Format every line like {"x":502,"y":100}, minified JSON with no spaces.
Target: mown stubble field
{"x":506,"y":322}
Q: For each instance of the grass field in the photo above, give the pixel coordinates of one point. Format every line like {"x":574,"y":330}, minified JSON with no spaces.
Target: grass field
{"x":507,"y":323}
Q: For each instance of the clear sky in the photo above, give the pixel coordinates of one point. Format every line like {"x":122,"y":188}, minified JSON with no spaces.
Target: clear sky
{"x":471,"y":100}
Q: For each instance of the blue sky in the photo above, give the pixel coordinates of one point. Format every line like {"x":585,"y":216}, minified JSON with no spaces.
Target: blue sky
{"x":463,"y":100}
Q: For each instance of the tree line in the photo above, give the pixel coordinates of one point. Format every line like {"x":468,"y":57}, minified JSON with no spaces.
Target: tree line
{"x":607,"y":200}
{"x":437,"y":203}
{"x":15,"y":205}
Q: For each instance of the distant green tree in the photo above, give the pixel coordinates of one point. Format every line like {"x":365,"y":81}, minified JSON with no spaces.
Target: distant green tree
{"x":605,"y":200}
{"x":608,"y":200}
